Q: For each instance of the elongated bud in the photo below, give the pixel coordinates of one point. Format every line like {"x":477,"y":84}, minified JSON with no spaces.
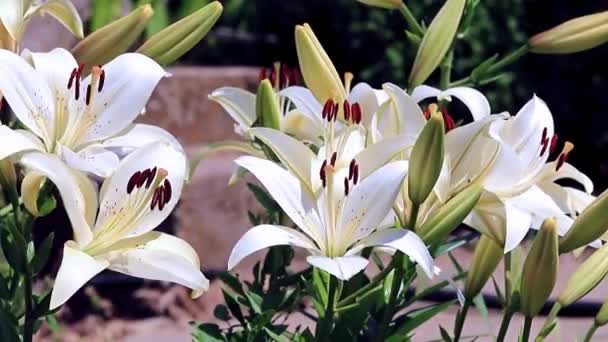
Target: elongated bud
{"x":388,"y":4}
{"x":601,"y":318}
{"x":8,"y":177}
{"x":166,"y":46}
{"x":450,"y":215}
{"x":427,"y":158}
{"x":486,"y":258}
{"x":267,"y":106}
{"x":436,"y":41}
{"x":318,"y":71}
{"x":588,"y":226}
{"x":113,"y":39}
{"x":586,"y":277}
{"x":540,"y":269}
{"x":579,"y":34}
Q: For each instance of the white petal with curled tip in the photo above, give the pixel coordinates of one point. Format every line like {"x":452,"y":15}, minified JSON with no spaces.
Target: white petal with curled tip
{"x":92,"y":159}
{"x":90,"y":193}
{"x":159,"y":256}
{"x":114,"y":189}
{"x":566,"y":171}
{"x":402,"y":240}
{"x":292,"y":153}
{"x":76,"y":269}
{"x":264,"y":236}
{"x":475,"y":101}
{"x":369,"y":202}
{"x":291,"y":194}
{"x":304,"y":101}
{"x":518,"y":223}
{"x":376,"y":155}
{"x":409,"y":115}
{"x":129,"y":81}
{"x":301,"y":126}
{"x":342,"y":268}
{"x":73,"y":200}
{"x":56,"y":67}
{"x":64,"y":11}
{"x":28,"y":94}
{"x":11,"y":15}
{"x":422,"y":92}
{"x":239,"y":103}
{"x":30,"y":190}
{"x":13,"y":141}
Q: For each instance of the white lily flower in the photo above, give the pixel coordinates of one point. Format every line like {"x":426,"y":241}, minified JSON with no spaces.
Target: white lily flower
{"x":73,"y":118}
{"x":475,"y":101}
{"x":132,"y":202}
{"x":335,"y":226}
{"x":510,"y":160}
{"x":15,"y":15}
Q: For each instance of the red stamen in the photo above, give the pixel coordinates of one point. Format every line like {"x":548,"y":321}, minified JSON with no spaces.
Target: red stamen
{"x":133,"y":181}
{"x":102,"y":79}
{"x":356,"y":174}
{"x":88,"y":97}
{"x":351,"y":169}
{"x":327,"y":108}
{"x":544,"y":145}
{"x":346,"y":110}
{"x":295,"y":77}
{"x":77,"y":88}
{"x":554,"y":140}
{"x":335,"y":109}
{"x":263,"y":74}
{"x":273,"y":77}
{"x":168,"y":190}
{"x":151,"y":176}
{"x":161,"y":198}
{"x":333,"y":158}
{"x":322,"y":174}
{"x":448,"y":121}
{"x":544,"y":136}
{"x":72,"y":77}
{"x":155,"y":198}
{"x":345,"y":186}
{"x":560,"y":161}
{"x":356,"y":113}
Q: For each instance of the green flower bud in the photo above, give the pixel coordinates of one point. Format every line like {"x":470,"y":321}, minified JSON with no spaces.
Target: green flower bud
{"x":166,"y":46}
{"x":427,"y":158}
{"x":601,"y":318}
{"x":450,"y":215}
{"x":389,"y":4}
{"x":486,"y":258}
{"x":574,"y":35}
{"x":590,"y":225}
{"x":318,"y":71}
{"x":113,"y":39}
{"x":540,"y":269}
{"x":586,"y":277}
{"x":267,"y":106}
{"x":436,"y":41}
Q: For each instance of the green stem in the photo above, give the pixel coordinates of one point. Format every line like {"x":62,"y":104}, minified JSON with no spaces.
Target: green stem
{"x":460,"y":318}
{"x":28,"y":325}
{"x":590,"y":332}
{"x":446,"y":70}
{"x":414,"y":216}
{"x":432,"y":289}
{"x":392,"y":299}
{"x":411,"y":20}
{"x":510,"y":58}
{"x":527,"y":325}
{"x":325,"y":325}
{"x":375,"y":282}
{"x":504,"y":325}
{"x":508,"y":279}
{"x":544,"y":331}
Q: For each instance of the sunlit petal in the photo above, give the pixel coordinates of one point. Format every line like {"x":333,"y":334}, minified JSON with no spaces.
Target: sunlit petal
{"x":342,"y":268}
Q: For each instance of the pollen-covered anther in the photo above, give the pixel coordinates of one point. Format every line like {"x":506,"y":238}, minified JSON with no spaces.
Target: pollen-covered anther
{"x":322,"y":173}
{"x":73,"y":76}
{"x":334,"y":156}
{"x":448,"y":121}
{"x":327,"y":110}
{"x":151,"y":177}
{"x":346,"y":110}
{"x":351,"y":169}
{"x":356,"y":174}
{"x":356,"y":112}
{"x":563,"y":156}
{"x":345,"y":186}
{"x":553,"y":144}
{"x":133,"y":181}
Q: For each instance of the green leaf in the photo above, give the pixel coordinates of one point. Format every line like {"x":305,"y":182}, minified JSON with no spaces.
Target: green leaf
{"x":263,"y":198}
{"x":445,"y":335}
{"x":232,"y":282}
{"x":275,"y":337}
{"x":415,"y":318}
{"x":8,"y":331}
{"x":255,"y":301}
{"x":46,"y":205}
{"x":234,"y":306}
{"x":320,"y":280}
{"x":12,"y":252}
{"x":480,"y":71}
{"x":52,"y":323}
{"x":221,"y":312}
{"x":42,"y":254}
{"x":207,"y":333}
{"x":480,"y":304}
{"x":388,"y":285}
{"x":499,"y":294}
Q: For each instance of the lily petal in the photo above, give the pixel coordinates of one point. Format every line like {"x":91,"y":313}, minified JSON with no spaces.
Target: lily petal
{"x":73,"y":200}
{"x":129,"y":81}
{"x":136,"y":136}
{"x":28,"y":94}
{"x":56,"y":66}
{"x":239,"y":103}
{"x":13,"y":141}
{"x":422,"y":92}
{"x":11,"y":15}
{"x":566,"y":171}
{"x":408,"y":115}
{"x":301,"y":126}
{"x":76,"y":269}
{"x":160,"y":256}
{"x":30,"y":190}
{"x":342,"y":268}
{"x":264,"y":236}
{"x":366,"y":97}
{"x":475,"y":101}
{"x":518,"y":223}
{"x":376,"y":155}
{"x":92,"y":159}
{"x":304,"y":101}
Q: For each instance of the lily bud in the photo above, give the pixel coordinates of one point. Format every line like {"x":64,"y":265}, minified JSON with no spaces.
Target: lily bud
{"x":586,"y":277}
{"x":450,"y":215}
{"x":590,"y":225}
{"x":601,"y":318}
{"x":113,"y":39}
{"x":540,"y":269}
{"x":389,"y":4}
{"x":427,"y":158}
{"x":8,"y":177}
{"x":486,"y":258}
{"x":318,"y":71}
{"x":579,"y":34}
{"x":166,"y":46}
{"x":267,"y":106}
{"x":436,"y":41}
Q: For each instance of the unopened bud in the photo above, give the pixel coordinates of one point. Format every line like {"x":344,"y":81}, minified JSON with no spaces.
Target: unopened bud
{"x":427,"y":158}
{"x":601,"y":318}
{"x":450,"y":215}
{"x":590,"y":225}
{"x":267,"y":106}
{"x":104,"y":44}
{"x":389,"y":4}
{"x":574,"y":35}
{"x":586,"y":277}
{"x":166,"y":46}
{"x":436,"y":41}
{"x":540,"y":269}
{"x":318,"y":71}
{"x":486,"y":258}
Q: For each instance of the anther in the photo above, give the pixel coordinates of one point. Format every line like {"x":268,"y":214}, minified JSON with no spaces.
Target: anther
{"x":335,"y":111}
{"x":346,"y":110}
{"x":102,"y":79}
{"x":356,"y":112}
{"x":351,"y":169}
{"x":133,"y":181}
{"x":155,"y":199}
{"x":77,"y":88}
{"x":544,"y":136}
{"x":168,"y":190}
{"x":161,"y":198}
{"x":356,"y":174}
{"x":88,"y":97}
{"x":72,"y":77}
{"x":568,"y":146}
{"x":151,"y":176}
{"x":295,"y":77}
{"x":327,"y":108}
{"x":448,"y":121}
{"x":263,"y":74}
{"x":345,"y":186}
{"x":333,"y":158}
{"x":553,"y":143}
{"x":322,"y":174}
